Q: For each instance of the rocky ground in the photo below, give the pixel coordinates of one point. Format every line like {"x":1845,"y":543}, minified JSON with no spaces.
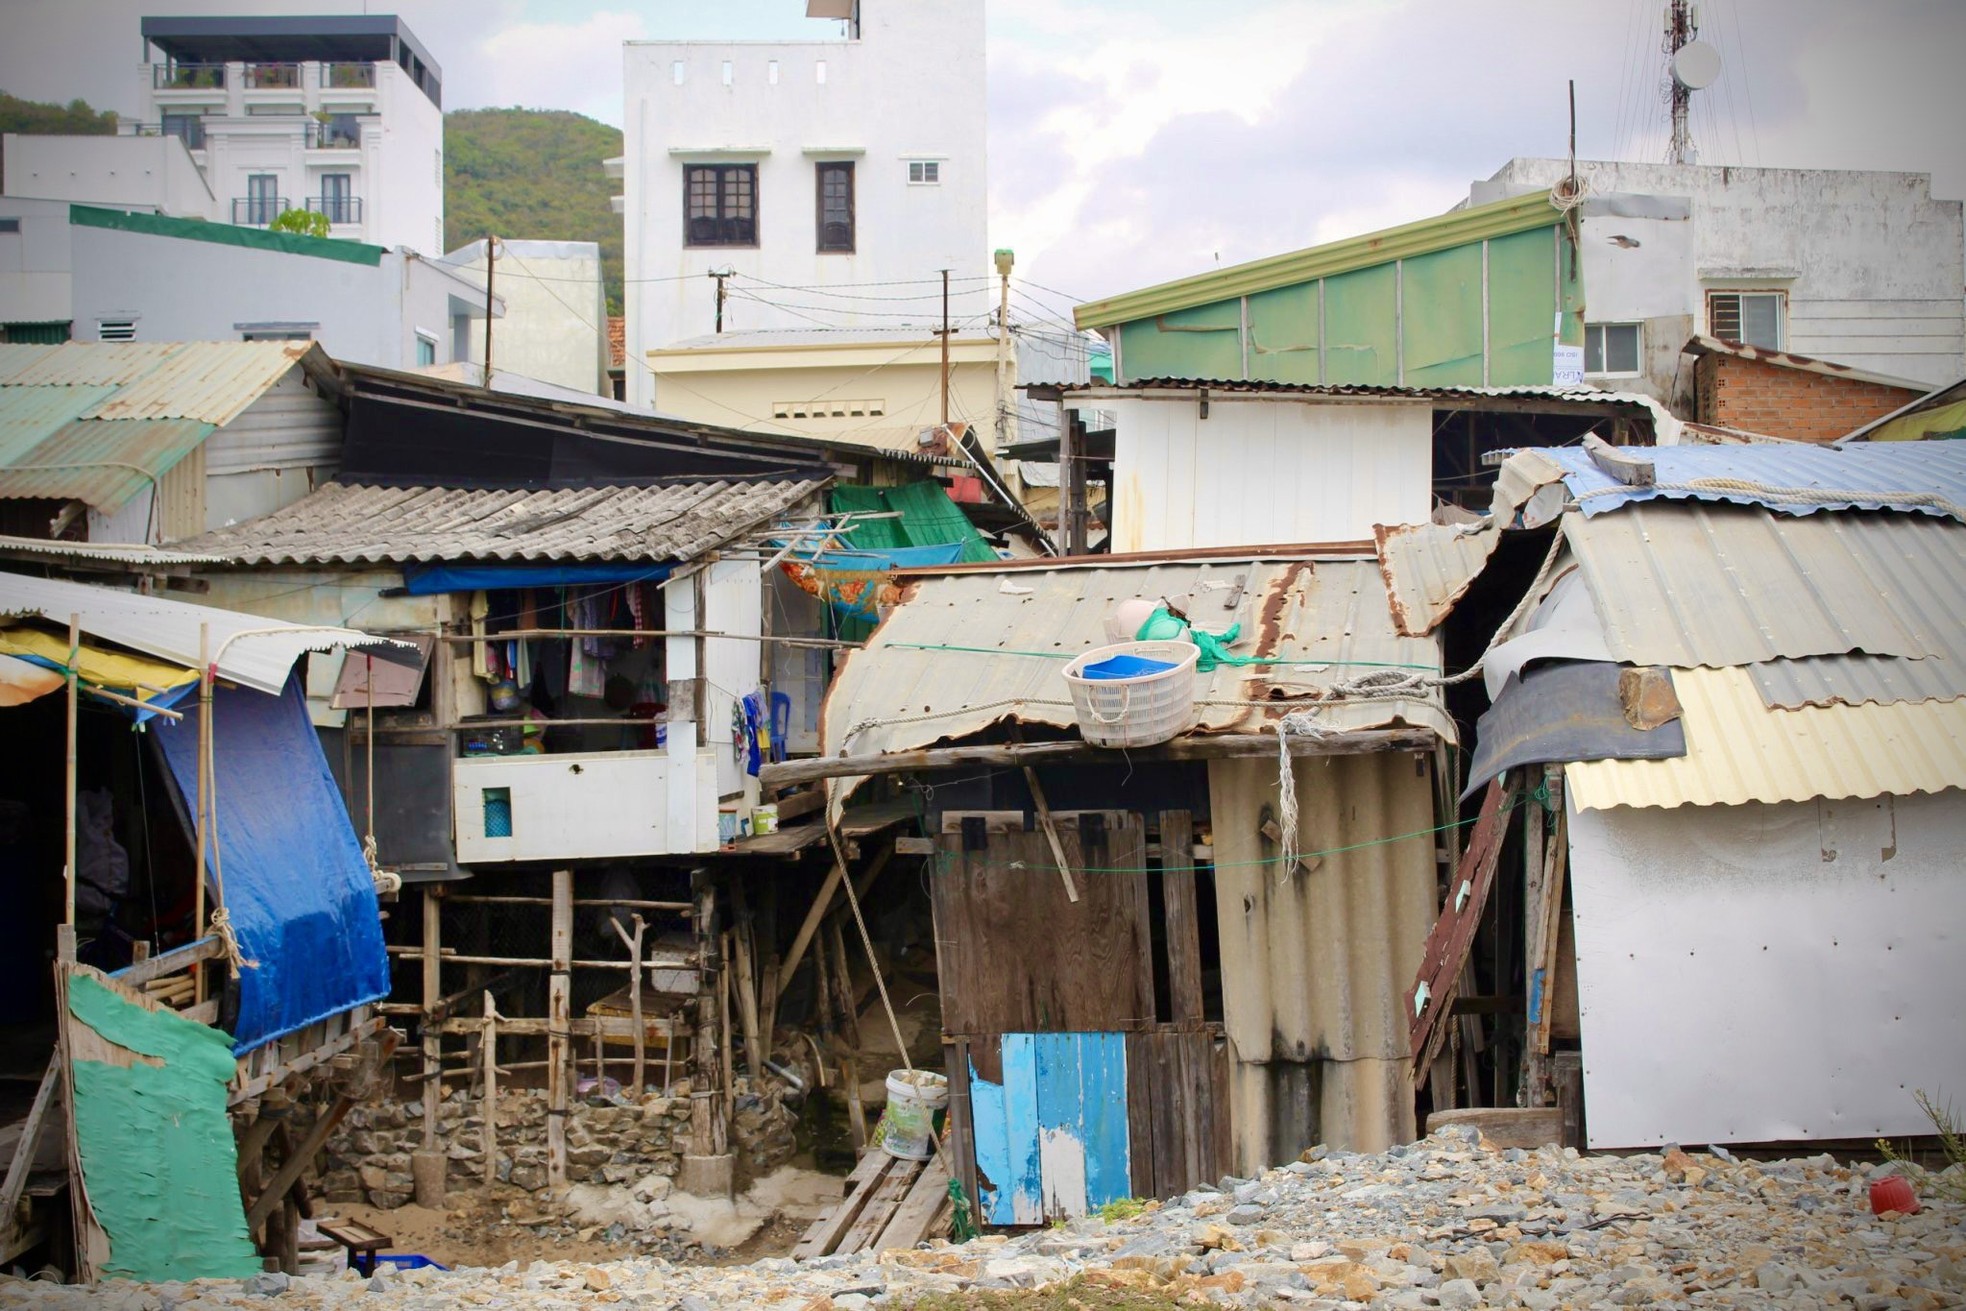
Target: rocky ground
{"x":1446,"y":1222}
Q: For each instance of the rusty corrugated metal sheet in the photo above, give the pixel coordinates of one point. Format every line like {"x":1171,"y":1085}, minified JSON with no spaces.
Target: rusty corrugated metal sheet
{"x":962,"y":651}
{"x":83,"y":363}
{"x":1314,"y":964}
{"x":343,"y":525}
{"x":208,"y":381}
{"x":18,"y":356}
{"x":1695,"y":584}
{"x":102,"y":464}
{"x":1738,"y":750}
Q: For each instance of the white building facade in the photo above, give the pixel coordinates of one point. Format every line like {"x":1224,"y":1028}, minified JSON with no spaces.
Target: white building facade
{"x":1858,"y":268}
{"x":340,"y":115}
{"x":554,"y":326}
{"x":831,"y":179}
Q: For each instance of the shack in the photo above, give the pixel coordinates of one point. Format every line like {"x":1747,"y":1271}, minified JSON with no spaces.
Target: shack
{"x":1740,"y":683}
{"x":1161,"y":965}
{"x":211,"y":919}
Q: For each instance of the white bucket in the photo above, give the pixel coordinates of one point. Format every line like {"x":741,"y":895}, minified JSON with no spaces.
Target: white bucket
{"x":1135,"y":712}
{"x":907,"y":1127}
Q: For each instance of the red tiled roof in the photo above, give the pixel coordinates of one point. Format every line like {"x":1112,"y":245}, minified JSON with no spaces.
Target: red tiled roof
{"x":617,"y":341}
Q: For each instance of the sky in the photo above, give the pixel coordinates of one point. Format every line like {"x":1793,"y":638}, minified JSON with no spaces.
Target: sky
{"x":1133,"y":141}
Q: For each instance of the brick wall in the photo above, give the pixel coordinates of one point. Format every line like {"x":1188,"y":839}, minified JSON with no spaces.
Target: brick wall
{"x":1783,"y":402}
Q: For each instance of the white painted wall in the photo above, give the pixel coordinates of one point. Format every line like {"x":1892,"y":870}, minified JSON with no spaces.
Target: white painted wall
{"x":572,"y":806}
{"x":911,"y":87}
{"x":1873,"y":265}
{"x":555,"y":323}
{"x":396,"y":170}
{"x":155,"y":173}
{"x":1768,"y":973}
{"x":185,"y":289}
{"x":34,"y":262}
{"x":1262,"y":470}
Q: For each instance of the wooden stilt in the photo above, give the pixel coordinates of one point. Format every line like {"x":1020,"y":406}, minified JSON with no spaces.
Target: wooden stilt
{"x":729,"y":1086}
{"x":635,"y":1006}
{"x":743,"y":976}
{"x":843,"y":986}
{"x":488,"y":1052}
{"x":558,"y":1044}
{"x":204,"y":823}
{"x":68,"y":781}
{"x":707,"y":1124}
{"x":433,"y":993}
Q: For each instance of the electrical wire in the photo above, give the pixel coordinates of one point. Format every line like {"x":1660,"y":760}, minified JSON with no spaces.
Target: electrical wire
{"x":582,"y":319}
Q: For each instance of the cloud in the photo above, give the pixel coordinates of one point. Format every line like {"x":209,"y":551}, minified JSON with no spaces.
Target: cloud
{"x":573,"y":66}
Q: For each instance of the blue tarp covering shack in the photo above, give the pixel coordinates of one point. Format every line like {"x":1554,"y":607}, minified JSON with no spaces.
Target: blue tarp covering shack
{"x":298,"y":890}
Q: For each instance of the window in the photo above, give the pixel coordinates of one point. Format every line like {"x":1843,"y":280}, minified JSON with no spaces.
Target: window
{"x":278,"y":332}
{"x":1753,"y":318}
{"x":720,"y":205}
{"x":9,"y":225}
{"x":188,"y":128}
{"x":771,"y":71}
{"x":836,"y":207}
{"x":262,"y":199}
{"x":1611,"y":348}
{"x":924,"y":172}
{"x":676,"y":72}
{"x":426,"y":350}
{"x":819,"y":72}
{"x":338,"y":198}
{"x":116,"y":329}
{"x":727,"y":72}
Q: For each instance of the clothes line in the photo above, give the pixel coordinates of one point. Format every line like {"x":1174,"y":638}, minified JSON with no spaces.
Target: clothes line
{"x":532,"y":634}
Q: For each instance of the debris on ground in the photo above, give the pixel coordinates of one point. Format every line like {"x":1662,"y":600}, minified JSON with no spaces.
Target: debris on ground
{"x":1447,"y":1222}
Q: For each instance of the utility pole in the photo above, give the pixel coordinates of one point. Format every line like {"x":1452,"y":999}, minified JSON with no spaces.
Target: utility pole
{"x":945,"y":348}
{"x":720,"y":275}
{"x":1005,"y":410}
{"x":1679,"y":31}
{"x":491,"y":257}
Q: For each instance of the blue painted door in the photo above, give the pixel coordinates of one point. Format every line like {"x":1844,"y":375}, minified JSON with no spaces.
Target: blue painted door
{"x":1051,"y":1139}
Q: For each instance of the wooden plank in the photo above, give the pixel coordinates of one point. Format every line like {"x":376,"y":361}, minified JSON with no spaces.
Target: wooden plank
{"x":1140,"y":1114}
{"x":1431,"y":997}
{"x":1219,"y":1156}
{"x":883,"y":1200}
{"x":1623,"y":464}
{"x":1104,"y":1112}
{"x":1022,"y":1185}
{"x":183,"y":958}
{"x":1527,"y":1127}
{"x":559,"y":1006}
{"x":823,"y":1234}
{"x":961,"y":1146}
{"x":1051,"y":832}
{"x":1062,"y":1152}
{"x":1182,"y":918}
{"x":925,"y":1200}
{"x":990,"y":1132}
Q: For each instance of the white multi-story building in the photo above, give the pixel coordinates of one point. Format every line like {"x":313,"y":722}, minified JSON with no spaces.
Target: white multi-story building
{"x":832,"y":180}
{"x":1860,"y":268}
{"x":339,"y":114}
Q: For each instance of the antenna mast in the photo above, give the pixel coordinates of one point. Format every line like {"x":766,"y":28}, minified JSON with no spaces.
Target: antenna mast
{"x":1684,"y":76}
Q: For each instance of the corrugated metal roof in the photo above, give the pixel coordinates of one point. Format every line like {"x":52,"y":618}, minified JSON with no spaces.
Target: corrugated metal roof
{"x":117,"y":552}
{"x":103,"y":464}
{"x":98,"y":421}
{"x":1705,"y":345}
{"x":1380,"y":391}
{"x":1738,"y":750}
{"x":1021,"y":626}
{"x":1793,"y":478}
{"x":343,"y":525}
{"x":248,"y":649}
{"x":1428,"y":567}
{"x":1720,"y":585}
{"x":1856,"y":680}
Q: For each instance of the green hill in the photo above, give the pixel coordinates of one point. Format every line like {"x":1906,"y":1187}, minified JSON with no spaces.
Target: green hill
{"x":33,"y":118}
{"x":532,"y":174}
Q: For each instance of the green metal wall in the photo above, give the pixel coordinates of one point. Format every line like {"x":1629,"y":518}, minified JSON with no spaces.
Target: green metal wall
{"x":1429,"y":320}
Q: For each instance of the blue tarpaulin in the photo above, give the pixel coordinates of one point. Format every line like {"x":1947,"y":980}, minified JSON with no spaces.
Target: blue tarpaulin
{"x":300,"y":894}
{"x":431,"y":579}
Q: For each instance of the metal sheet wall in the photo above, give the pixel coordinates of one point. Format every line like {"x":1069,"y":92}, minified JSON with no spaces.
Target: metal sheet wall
{"x":1768,"y":973}
{"x":1314,"y":963}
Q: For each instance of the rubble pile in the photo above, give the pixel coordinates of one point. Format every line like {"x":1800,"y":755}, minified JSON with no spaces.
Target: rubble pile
{"x":1447,"y":1222}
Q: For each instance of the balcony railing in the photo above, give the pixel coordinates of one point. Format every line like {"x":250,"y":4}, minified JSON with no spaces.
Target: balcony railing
{"x":185,"y":77}
{"x":348,"y":75}
{"x":337,"y":132}
{"x":272,"y":77}
{"x":187,"y":128}
{"x":258,"y":211}
{"x":339,"y":209}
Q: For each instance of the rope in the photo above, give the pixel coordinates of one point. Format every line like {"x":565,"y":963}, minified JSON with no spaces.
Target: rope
{"x":235,"y":960}
{"x":1569,"y":192}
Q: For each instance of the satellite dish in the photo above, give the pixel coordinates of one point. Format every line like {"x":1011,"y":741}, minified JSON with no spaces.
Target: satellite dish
{"x":1696,"y":65}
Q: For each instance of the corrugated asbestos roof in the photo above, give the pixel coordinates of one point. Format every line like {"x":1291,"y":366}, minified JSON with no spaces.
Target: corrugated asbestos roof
{"x":99,"y":421}
{"x":248,"y":649}
{"x":346,"y":525}
{"x":1719,"y":585}
{"x":1929,"y":477}
{"x":1739,"y":751}
{"x":1023,"y":625}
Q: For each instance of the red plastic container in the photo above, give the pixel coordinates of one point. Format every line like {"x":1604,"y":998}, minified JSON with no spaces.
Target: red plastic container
{"x":1893,"y":1193}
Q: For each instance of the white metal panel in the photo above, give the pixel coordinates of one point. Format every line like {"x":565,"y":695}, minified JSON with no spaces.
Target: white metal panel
{"x":580,"y":805}
{"x":1769,"y":973}
{"x":288,"y":426}
{"x":732,"y":603}
{"x":1259,"y":471}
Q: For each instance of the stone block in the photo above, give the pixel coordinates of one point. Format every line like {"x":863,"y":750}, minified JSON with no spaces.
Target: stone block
{"x":708,"y":1176}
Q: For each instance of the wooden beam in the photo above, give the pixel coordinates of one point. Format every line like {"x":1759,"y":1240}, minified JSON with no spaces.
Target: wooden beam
{"x":1625,"y":464}
{"x":290,"y":1169}
{"x":1182,"y":914}
{"x":1222,"y":746}
{"x":488,"y":1050}
{"x":1051,"y":833}
{"x":15,"y":1186}
{"x":1430,"y":999}
{"x":183,"y":958}
{"x":823,"y":903}
{"x":559,"y":1004}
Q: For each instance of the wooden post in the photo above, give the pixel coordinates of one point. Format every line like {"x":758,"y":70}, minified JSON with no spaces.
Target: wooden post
{"x":68,"y":787}
{"x":204,"y":800}
{"x":433,"y":993}
{"x":635,"y":1005}
{"x":488,"y":1053}
{"x":743,"y":983}
{"x":726,"y":1064}
{"x":1535,"y":1070}
{"x":843,"y":985}
{"x":558,"y":1043}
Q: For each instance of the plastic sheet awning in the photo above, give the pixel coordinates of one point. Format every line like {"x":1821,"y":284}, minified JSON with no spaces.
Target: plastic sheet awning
{"x":300,"y":895}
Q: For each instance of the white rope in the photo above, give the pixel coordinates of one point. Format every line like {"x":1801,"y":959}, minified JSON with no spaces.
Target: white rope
{"x":1569,"y":193}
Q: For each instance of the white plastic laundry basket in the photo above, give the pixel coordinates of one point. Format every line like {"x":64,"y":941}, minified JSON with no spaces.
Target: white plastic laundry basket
{"x":1140,"y":711}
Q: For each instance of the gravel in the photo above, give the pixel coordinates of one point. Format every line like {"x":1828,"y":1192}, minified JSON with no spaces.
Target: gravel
{"x":1446,"y":1222}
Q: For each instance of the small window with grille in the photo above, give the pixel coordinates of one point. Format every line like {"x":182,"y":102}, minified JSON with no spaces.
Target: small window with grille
{"x":116,"y":329}
{"x":1753,"y":318}
{"x":720,"y":205}
{"x":924,"y":172}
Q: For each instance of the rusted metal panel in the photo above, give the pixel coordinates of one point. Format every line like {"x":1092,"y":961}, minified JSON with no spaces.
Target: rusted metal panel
{"x":209,"y":381}
{"x":346,"y":524}
{"x":1738,"y":750}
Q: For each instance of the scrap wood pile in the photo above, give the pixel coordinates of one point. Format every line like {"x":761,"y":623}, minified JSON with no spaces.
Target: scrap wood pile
{"x":889,"y":1203}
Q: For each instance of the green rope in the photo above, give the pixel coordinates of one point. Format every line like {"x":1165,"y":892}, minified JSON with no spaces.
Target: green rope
{"x":1253,"y":660}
